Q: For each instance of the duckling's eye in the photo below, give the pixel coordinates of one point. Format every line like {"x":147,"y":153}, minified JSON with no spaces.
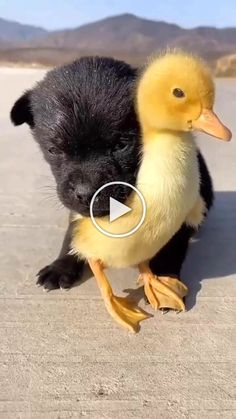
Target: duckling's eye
{"x":178,"y":92}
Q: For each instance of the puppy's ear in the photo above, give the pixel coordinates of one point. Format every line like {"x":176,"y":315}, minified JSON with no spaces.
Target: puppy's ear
{"x":21,"y":112}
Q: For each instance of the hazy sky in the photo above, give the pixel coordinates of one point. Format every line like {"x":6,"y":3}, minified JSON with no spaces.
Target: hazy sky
{"x":53,"y":14}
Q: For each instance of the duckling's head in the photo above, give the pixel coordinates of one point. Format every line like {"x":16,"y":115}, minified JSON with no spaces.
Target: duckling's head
{"x":176,"y":92}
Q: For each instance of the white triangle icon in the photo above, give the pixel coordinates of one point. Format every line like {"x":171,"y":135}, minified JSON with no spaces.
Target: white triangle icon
{"x":117,"y":209}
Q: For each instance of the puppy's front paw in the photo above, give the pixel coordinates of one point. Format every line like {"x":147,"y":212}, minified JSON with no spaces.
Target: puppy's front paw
{"x":62,"y":273}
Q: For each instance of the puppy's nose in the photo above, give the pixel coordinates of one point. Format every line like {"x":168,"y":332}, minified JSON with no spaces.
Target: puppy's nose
{"x":83,"y":194}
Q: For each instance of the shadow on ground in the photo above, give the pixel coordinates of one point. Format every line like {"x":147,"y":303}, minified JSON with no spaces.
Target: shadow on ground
{"x":212,"y":253}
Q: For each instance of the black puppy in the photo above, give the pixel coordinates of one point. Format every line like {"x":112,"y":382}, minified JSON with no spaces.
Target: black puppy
{"x":82,"y":115}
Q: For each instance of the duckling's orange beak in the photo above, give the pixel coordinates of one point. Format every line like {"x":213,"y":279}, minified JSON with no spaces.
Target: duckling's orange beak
{"x":210,"y":123}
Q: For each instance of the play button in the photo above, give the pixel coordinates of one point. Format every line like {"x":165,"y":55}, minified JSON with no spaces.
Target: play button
{"x":117,"y":209}
{"x":108,"y":225}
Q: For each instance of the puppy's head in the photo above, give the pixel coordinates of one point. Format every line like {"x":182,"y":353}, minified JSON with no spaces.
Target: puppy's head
{"x":83,"y":118}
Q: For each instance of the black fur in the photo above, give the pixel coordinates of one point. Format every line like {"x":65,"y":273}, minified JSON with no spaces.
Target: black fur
{"x":83,"y":118}
{"x":65,"y":270}
{"x":21,"y":111}
{"x":82,"y":115}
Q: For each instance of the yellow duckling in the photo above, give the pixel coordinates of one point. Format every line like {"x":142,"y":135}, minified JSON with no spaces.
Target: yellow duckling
{"x":175,"y":95}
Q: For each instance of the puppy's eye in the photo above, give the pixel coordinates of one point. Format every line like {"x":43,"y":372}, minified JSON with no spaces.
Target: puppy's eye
{"x":54,"y":151}
{"x":121,"y":146}
{"x":177,"y":92}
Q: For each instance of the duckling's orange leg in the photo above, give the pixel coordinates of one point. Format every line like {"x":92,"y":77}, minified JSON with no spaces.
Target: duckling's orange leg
{"x":122,"y":310}
{"x":162,"y":292}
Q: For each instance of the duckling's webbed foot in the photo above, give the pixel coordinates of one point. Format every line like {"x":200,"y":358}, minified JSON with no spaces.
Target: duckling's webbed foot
{"x":121,"y":309}
{"x":162,"y":292}
{"x":125,"y":313}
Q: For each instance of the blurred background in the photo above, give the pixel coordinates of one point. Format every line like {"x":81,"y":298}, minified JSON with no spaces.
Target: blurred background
{"x":49,"y":33}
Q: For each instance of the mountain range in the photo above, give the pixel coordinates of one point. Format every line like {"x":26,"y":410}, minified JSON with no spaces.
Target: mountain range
{"x":125,"y":36}
{"x":14,"y":32}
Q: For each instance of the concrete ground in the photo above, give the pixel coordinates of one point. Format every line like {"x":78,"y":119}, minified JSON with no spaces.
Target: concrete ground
{"x":62,"y":356}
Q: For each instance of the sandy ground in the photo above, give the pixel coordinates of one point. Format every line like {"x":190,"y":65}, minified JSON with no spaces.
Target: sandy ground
{"x":62,"y":356}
